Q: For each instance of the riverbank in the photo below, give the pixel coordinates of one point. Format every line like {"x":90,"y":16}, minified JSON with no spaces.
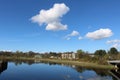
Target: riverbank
{"x":82,"y":64}
{"x":69,"y":62}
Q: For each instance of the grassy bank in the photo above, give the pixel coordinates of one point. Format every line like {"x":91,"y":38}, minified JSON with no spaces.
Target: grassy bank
{"x":78,"y":63}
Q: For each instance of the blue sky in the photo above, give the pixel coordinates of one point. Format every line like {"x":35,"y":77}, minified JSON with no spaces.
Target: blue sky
{"x":59,"y":25}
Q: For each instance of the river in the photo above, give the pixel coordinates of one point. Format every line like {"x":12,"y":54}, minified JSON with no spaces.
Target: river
{"x":30,"y":70}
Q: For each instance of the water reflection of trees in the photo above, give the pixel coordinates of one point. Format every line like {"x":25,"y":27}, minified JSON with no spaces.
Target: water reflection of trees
{"x":115,"y":74}
{"x":20,"y":62}
{"x":101,"y":72}
{"x":80,"y":69}
{"x":3,"y":66}
{"x":49,"y":63}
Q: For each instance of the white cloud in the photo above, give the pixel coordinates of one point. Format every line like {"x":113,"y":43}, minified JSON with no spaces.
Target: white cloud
{"x":52,"y":17}
{"x":72,"y":34}
{"x":99,"y":34}
{"x":115,"y":43}
{"x":56,"y":26}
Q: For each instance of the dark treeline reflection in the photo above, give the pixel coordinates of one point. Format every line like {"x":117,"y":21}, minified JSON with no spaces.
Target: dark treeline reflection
{"x":101,"y":72}
{"x":19,"y":62}
{"x":3,"y":66}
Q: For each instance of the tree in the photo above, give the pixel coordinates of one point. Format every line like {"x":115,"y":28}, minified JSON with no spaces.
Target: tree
{"x":53,"y":54}
{"x":113,"y":51}
{"x":80,"y":53}
{"x":100,"y":53}
{"x":100,"y":56}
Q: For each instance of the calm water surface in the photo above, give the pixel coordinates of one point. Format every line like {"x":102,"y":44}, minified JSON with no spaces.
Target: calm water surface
{"x":29,"y":70}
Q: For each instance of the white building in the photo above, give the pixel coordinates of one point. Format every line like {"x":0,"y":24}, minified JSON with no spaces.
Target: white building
{"x":68,"y":56}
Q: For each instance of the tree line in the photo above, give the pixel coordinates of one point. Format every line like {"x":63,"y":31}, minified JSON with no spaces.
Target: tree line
{"x":99,"y":56}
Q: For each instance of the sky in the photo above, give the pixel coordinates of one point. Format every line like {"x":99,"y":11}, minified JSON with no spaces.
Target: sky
{"x":59,"y":25}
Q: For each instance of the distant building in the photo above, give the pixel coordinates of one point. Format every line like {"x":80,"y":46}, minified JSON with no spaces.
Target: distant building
{"x":68,"y":56}
{"x":91,"y":55}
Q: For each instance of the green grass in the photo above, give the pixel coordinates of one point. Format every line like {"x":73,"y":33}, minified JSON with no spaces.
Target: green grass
{"x":83,"y":64}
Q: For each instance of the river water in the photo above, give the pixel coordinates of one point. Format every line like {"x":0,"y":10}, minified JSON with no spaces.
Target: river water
{"x":30,"y":70}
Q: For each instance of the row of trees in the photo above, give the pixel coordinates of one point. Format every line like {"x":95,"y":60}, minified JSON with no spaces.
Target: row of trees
{"x":100,"y":56}
{"x":18,"y":54}
{"x":113,"y":52}
{"x":29,"y":54}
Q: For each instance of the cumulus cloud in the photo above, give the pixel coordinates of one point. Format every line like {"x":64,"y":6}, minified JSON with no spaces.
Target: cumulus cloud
{"x":115,"y":43}
{"x":99,"y":34}
{"x":72,"y":34}
{"x":56,"y":26}
{"x":52,"y":17}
